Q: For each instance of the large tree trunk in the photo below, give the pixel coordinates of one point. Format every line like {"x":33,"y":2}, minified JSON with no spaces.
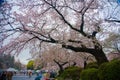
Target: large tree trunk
{"x":96,"y":52}
{"x":100,"y":56}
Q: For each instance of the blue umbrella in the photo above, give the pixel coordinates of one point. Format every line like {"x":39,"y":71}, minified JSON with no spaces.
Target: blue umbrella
{"x":38,"y":77}
{"x":118,"y":1}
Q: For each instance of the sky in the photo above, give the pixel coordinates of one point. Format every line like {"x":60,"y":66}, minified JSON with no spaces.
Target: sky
{"x":24,"y":57}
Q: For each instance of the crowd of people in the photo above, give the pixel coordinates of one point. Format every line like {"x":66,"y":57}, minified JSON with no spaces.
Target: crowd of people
{"x":41,"y":75}
{"x":46,"y":75}
{"x":6,"y":75}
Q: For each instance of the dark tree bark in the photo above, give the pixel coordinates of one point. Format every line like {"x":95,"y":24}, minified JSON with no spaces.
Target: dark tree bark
{"x":74,"y":64}
{"x":100,"y":56}
{"x":60,"y":65}
{"x":97,"y":53}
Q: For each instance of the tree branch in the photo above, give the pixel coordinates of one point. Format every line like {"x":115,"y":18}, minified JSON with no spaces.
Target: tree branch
{"x":82,"y":19}
{"x":61,"y":15}
{"x":108,"y":20}
{"x":74,"y":41}
{"x":78,"y":49}
{"x":87,"y":7}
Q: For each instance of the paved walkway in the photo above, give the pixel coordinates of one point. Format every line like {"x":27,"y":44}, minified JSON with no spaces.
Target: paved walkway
{"x":22,"y":77}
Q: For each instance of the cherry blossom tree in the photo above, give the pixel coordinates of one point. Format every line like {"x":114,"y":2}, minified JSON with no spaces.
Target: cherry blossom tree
{"x":37,"y":22}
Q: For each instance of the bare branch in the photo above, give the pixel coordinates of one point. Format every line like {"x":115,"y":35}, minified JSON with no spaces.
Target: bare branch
{"x":118,"y":21}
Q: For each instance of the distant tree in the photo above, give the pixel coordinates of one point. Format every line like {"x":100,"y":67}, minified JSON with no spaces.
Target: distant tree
{"x":60,"y":65}
{"x":6,"y":61}
{"x":30,"y":65}
{"x":18,"y":65}
{"x":58,"y":57}
{"x":38,"y":63}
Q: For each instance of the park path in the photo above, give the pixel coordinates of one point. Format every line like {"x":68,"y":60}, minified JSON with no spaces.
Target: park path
{"x":22,"y":77}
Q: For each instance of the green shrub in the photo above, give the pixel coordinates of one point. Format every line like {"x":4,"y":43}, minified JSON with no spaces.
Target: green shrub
{"x":92,"y":65}
{"x":71,"y":73}
{"x":102,"y":71}
{"x":59,"y":78}
{"x":110,"y":71}
{"x":89,"y":74}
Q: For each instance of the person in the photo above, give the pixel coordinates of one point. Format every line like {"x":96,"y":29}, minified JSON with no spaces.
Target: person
{"x":39,"y":76}
{"x":0,"y":75}
{"x":9,"y":75}
{"x":52,"y":74}
{"x":3,"y":76}
{"x":47,"y":75}
{"x":30,"y":74}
